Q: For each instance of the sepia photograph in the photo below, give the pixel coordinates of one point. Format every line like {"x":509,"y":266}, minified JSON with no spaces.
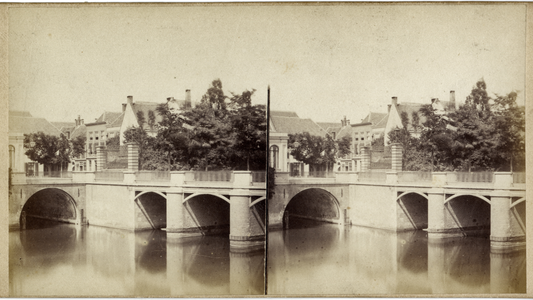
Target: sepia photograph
{"x":278,"y":149}
{"x":397,"y":148}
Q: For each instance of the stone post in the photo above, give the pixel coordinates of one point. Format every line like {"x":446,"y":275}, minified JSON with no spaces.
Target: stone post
{"x":101,"y":158}
{"x":129,"y":177}
{"x":177,"y":178}
{"x":133,"y":157}
{"x":397,"y":154}
{"x":242,"y":178}
{"x":392,"y":177}
{"x":365,"y":158}
{"x":502,"y":180}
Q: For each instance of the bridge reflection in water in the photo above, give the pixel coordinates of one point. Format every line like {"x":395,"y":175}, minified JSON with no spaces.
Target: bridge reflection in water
{"x":319,"y":259}
{"x":55,"y":259}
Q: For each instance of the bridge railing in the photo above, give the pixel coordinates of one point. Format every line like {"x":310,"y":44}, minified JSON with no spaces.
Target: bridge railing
{"x":462,"y":177}
{"x":224,"y":176}
{"x":258,"y":176}
{"x":372,"y":176}
{"x":519,"y":177}
{"x":109,"y":176}
{"x":157,"y":176}
{"x":314,"y":174}
{"x":409,"y":176}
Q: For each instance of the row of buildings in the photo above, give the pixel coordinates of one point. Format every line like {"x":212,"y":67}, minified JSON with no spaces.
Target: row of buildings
{"x":97,"y":133}
{"x":281,"y":123}
{"x":373,"y":126}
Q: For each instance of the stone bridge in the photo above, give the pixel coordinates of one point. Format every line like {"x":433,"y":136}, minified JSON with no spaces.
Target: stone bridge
{"x":182,"y":203}
{"x":443,"y":204}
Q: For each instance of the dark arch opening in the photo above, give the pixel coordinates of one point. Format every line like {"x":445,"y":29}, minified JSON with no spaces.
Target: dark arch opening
{"x":209,"y":213}
{"x":519,"y":216}
{"x":471,"y":215}
{"x":47,"y":208}
{"x":258,"y":211}
{"x":413,"y":212}
{"x":150,"y":211}
{"x":311,"y":207}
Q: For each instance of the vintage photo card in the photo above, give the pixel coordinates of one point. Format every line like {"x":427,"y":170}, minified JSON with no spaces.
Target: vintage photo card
{"x":265,"y":149}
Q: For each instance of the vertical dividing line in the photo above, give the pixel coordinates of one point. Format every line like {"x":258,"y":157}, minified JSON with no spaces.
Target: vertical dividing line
{"x":266,"y":191}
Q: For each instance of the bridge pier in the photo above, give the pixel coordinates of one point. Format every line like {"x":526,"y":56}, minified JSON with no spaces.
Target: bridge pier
{"x":440,"y":223}
{"x":175,"y":214}
{"x":243,"y":236}
{"x":502,"y":236}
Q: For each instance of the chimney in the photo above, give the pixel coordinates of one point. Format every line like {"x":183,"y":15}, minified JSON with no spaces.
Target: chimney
{"x":82,"y":122}
{"x":433,"y":100}
{"x":124,"y":107}
{"x":187,"y":95}
{"x":347,"y":122}
{"x":388,"y":108}
{"x":130,"y":100}
{"x":452,"y":100}
{"x":395,"y":101}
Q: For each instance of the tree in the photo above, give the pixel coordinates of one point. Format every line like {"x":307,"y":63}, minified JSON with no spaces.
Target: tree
{"x":209,"y":136}
{"x":509,"y":123}
{"x":249,"y":125}
{"x":215,"y":95}
{"x":48,"y":149}
{"x":78,"y":146}
{"x":343,"y":146}
{"x":313,"y":150}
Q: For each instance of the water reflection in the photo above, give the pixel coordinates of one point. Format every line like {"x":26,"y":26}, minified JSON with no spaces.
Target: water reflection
{"x":336,"y":260}
{"x":68,"y":260}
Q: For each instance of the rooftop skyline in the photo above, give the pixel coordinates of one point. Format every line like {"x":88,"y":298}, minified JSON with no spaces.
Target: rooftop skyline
{"x":321,"y":61}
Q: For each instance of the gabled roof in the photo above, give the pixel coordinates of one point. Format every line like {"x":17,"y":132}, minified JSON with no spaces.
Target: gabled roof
{"x":290,"y":123}
{"x":409,"y":108}
{"x":344,"y":131}
{"x":108,"y":117}
{"x":64,"y":126}
{"x":279,"y":113}
{"x":328,"y":125}
{"x":145,"y":107}
{"x":117,"y":122}
{"x":26,"y":125}
{"x":378,"y":120}
{"x":80,"y":130}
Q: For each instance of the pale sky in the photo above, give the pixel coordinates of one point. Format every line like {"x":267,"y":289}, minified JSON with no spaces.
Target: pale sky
{"x":323,"y":62}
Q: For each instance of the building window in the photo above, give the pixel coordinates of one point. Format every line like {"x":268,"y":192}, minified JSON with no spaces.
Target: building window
{"x":274,"y":156}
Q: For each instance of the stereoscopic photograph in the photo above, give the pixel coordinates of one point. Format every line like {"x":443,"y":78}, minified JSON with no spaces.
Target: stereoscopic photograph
{"x":278,"y":149}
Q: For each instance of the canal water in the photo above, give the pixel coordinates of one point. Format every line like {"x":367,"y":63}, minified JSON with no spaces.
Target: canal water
{"x":314,"y":258}
{"x":57,"y":259}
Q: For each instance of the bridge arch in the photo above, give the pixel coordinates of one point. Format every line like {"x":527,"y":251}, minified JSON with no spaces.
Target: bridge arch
{"x":470,"y":195}
{"x":54,"y":204}
{"x":202,"y":194}
{"x":257,"y":201}
{"x":471,"y":213}
{"x":315,"y":204}
{"x":150,"y":210}
{"x":146,"y":192}
{"x":413,"y":210}
{"x":209,"y":212}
